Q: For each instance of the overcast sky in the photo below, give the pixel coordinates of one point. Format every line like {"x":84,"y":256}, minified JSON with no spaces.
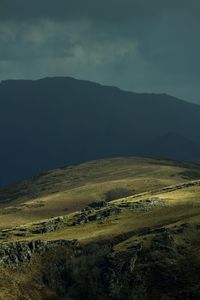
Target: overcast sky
{"x":138,"y":45}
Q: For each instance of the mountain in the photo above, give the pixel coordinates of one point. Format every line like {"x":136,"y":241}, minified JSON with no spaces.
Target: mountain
{"x":59,"y":121}
{"x":120,"y":228}
{"x":175,"y":146}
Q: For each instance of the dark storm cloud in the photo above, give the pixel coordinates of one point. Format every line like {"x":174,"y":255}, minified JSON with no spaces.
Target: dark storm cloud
{"x":58,"y":9}
{"x":109,"y":10}
{"x":142,"y":45}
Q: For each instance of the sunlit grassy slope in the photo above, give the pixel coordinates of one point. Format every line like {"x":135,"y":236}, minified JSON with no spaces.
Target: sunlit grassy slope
{"x":151,"y":203}
{"x":177,"y":207}
{"x":66,"y":190}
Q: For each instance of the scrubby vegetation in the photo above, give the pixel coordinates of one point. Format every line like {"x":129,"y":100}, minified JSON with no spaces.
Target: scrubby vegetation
{"x":154,"y":264}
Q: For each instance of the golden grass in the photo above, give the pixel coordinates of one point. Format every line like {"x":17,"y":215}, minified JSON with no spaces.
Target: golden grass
{"x":66,"y":190}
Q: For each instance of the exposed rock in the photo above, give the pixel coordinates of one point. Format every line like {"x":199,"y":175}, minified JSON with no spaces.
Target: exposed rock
{"x":92,"y":215}
{"x":17,"y":252}
{"x":143,"y":205}
{"x":80,"y":218}
{"x":48,"y":226}
{"x":171,"y":230}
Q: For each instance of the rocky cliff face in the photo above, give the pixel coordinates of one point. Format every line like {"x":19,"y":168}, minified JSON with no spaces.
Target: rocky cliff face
{"x":11,"y":254}
{"x":149,"y":263}
{"x":154,"y":266}
{"x":156,"y":263}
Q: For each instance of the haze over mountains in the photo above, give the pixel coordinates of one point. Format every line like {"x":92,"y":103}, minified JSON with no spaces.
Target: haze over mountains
{"x":58,"y":121}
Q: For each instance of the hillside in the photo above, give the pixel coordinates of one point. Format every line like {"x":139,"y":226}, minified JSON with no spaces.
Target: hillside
{"x":52,"y":122}
{"x":67,"y":189}
{"x":120,"y":228}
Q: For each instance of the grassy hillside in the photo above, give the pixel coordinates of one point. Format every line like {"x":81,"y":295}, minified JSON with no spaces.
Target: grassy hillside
{"x":137,"y":221}
{"x":69,"y":189}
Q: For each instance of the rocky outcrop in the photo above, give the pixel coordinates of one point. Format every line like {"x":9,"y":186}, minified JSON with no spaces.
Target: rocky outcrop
{"x":152,"y":265}
{"x":13,"y":253}
{"x":49,"y":225}
{"x":95,"y":211}
{"x":142,"y":205}
{"x":100,"y":215}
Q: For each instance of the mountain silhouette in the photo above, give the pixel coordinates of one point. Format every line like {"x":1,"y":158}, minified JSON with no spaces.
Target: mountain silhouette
{"x":175,"y":146}
{"x":58,"y":121}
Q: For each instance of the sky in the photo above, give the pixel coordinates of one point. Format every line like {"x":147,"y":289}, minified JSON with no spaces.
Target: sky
{"x":137,"y":45}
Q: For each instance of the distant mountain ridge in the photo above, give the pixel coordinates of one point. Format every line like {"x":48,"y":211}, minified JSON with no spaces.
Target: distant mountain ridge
{"x":59,"y":121}
{"x":175,"y":146}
